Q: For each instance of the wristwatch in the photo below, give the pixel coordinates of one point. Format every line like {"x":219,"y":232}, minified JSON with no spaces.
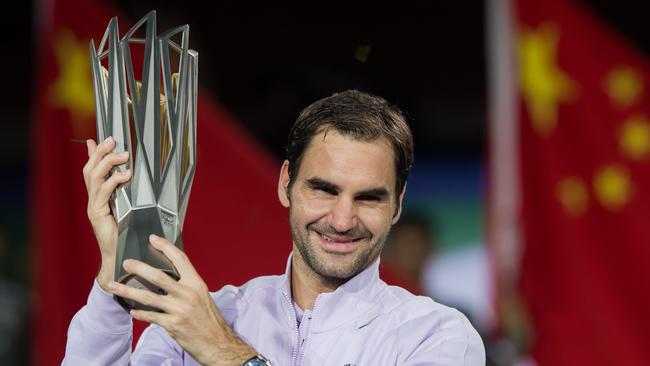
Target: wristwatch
{"x":257,"y":360}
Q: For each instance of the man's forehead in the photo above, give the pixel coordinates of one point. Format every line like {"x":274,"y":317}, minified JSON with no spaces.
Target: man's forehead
{"x":341,"y":159}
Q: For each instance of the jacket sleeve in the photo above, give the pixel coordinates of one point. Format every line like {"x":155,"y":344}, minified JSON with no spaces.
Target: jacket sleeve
{"x":101,"y":333}
{"x":443,"y":337}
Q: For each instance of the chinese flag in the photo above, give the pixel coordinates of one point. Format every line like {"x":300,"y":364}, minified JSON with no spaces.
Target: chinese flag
{"x":235,"y":228}
{"x":582,"y":142}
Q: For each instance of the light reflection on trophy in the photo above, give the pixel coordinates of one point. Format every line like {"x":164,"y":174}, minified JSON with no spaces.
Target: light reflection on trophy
{"x":154,"y":119}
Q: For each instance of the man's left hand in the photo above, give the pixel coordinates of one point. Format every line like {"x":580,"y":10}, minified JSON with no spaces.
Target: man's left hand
{"x":188,"y":314}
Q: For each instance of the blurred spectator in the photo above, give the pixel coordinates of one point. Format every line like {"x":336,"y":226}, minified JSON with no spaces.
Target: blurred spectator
{"x":13,"y":314}
{"x":462,"y":278}
{"x":459,"y":277}
{"x":410,"y":244}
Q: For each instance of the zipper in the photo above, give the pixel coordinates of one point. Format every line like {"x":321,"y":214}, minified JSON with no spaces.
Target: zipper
{"x":296,"y":345}
{"x":303,"y":346}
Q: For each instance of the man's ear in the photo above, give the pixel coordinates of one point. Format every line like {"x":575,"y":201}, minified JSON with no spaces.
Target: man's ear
{"x":283,"y":185}
{"x":398,"y":209}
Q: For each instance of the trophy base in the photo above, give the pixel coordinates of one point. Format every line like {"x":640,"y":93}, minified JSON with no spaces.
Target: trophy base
{"x":142,"y":284}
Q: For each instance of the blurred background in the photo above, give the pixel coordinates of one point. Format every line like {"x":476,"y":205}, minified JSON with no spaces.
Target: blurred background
{"x":525,"y":208}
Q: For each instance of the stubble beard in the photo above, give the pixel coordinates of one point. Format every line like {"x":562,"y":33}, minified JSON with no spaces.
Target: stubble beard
{"x":331,"y":274}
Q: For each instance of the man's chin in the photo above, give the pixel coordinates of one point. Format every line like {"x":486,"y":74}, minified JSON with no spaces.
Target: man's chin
{"x":337,"y":265}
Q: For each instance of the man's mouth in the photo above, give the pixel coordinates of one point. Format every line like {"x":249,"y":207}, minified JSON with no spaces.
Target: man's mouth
{"x":338,"y":243}
{"x":338,"y":239}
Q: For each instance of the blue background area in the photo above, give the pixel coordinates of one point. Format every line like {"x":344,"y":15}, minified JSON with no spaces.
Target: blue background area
{"x":450,"y":193}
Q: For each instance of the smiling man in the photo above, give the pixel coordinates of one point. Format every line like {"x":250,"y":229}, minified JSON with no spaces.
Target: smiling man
{"x":348,"y":158}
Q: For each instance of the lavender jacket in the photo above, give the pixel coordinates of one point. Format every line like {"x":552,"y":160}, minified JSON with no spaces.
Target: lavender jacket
{"x":363,"y":322}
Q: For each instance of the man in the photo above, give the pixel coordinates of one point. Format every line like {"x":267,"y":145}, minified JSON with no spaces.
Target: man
{"x":343,"y":181}
{"x":410,"y":245}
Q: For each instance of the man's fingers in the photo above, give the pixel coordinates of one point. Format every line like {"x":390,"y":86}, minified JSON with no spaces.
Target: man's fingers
{"x":151,"y":274}
{"x":96,"y":154}
{"x":91,"y":145}
{"x":98,"y":175}
{"x":178,"y":257}
{"x":144,"y":297}
{"x":149,"y":316}
{"x":107,"y":163}
{"x":107,"y":188}
{"x":100,"y":150}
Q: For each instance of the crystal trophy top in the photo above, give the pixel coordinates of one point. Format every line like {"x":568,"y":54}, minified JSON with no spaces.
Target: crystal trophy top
{"x":153,"y":117}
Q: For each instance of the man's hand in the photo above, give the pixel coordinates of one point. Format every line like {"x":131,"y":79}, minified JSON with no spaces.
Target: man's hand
{"x":188,"y":313}
{"x":101,"y":161}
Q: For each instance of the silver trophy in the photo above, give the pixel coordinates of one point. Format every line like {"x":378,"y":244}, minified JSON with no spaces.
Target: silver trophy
{"x":154,"y":119}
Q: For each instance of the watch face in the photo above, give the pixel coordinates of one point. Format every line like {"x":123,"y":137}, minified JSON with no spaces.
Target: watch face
{"x":256,"y":361}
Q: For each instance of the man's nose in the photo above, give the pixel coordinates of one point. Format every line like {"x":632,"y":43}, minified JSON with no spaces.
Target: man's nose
{"x":343,"y":215}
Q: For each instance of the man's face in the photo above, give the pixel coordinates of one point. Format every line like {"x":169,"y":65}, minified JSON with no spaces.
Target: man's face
{"x":341,"y":204}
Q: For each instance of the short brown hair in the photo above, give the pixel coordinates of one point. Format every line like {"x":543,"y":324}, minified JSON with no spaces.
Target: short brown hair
{"x":359,"y":115}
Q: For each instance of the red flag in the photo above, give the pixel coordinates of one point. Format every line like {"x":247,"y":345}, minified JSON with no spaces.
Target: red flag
{"x":235,"y":228}
{"x":581,"y":158}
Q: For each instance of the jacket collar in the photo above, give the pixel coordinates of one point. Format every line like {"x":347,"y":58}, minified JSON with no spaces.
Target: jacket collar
{"x":357,"y":300}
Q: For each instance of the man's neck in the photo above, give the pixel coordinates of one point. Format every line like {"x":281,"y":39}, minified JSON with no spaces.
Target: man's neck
{"x":307,"y":285}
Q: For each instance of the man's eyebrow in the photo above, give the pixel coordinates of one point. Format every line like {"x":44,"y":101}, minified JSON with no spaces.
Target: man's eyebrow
{"x":319,"y":183}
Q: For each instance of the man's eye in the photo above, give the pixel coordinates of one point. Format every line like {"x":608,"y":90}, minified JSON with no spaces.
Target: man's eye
{"x":327,"y":190}
{"x":368,"y":198}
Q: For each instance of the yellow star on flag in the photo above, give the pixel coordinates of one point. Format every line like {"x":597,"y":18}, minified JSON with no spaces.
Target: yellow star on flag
{"x":572,"y":194}
{"x":73,"y":88}
{"x":543,"y":84}
{"x":634,"y":137}
{"x":612,"y":186}
{"x":623,"y":85}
